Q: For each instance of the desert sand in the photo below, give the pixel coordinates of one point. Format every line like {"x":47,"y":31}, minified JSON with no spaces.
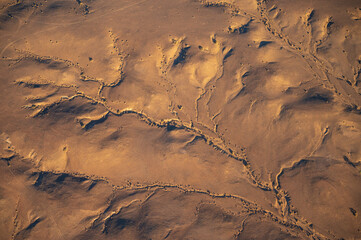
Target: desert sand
{"x":180,"y":119}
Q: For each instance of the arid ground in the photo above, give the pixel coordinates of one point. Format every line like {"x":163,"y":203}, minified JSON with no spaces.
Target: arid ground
{"x":180,"y":119}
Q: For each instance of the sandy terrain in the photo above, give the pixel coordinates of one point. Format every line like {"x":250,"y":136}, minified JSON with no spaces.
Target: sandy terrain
{"x":180,"y":119}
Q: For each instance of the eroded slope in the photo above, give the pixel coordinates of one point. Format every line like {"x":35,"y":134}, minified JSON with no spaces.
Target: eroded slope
{"x":180,"y":119}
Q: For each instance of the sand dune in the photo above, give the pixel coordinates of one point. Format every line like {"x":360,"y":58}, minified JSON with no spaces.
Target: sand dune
{"x":180,"y":119}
